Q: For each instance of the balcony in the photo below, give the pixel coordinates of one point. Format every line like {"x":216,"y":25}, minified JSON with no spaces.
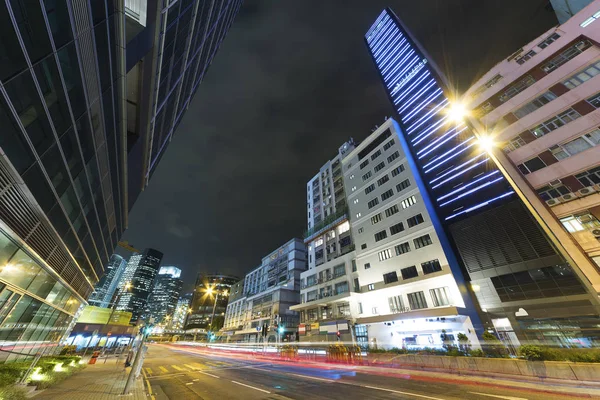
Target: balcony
{"x":331,"y":221}
{"x":326,"y":278}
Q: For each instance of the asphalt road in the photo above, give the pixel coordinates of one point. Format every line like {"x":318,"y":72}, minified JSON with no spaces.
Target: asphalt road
{"x":178,"y":373}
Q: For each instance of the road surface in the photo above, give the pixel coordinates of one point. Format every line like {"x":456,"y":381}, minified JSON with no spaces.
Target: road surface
{"x":180,"y":373}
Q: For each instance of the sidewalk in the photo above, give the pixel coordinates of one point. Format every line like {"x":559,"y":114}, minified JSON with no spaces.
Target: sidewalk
{"x":96,"y":382}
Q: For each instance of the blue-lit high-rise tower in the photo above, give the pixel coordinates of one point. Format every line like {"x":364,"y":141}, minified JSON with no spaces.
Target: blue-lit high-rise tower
{"x":504,"y":253}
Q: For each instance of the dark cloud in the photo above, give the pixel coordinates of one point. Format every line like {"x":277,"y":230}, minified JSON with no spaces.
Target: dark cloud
{"x":291,"y":82}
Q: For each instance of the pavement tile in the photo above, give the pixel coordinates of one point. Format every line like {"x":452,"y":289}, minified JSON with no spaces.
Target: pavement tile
{"x":96,"y":382}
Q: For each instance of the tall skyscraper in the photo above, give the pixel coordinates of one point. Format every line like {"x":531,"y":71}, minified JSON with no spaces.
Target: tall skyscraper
{"x":210,"y":288}
{"x":140,"y":273}
{"x":90,"y":95}
{"x":105,"y":289}
{"x":162,"y":302}
{"x":181,"y":312}
{"x":497,"y":241}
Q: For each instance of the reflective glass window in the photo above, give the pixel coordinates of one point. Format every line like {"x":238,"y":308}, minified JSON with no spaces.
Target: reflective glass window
{"x":59,"y":21}
{"x":42,"y":284}
{"x":51,"y":86}
{"x":30,"y":20}
{"x":21,"y":270}
{"x":7,"y":249}
{"x":12,"y":60}
{"x":69,"y":66}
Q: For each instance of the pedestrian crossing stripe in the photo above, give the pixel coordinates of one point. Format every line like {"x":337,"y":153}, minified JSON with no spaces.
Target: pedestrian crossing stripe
{"x":197,"y":365}
{"x":189,"y":366}
{"x":163,"y":369}
{"x":148,"y":370}
{"x":178,"y":368}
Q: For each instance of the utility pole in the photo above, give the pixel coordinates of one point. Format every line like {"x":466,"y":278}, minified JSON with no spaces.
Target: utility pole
{"x":139,"y":359}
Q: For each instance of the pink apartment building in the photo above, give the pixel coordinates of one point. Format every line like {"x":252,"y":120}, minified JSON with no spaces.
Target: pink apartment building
{"x":541,"y":105}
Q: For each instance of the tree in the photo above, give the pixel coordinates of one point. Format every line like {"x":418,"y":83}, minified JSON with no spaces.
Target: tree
{"x":492,"y":346}
{"x":217,"y":323}
{"x":463,"y":343}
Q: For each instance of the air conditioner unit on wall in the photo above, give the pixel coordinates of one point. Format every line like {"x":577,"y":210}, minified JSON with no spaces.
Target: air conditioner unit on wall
{"x":568,"y":197}
{"x":586,"y":191}
{"x":596,"y":233}
{"x":597,"y":187}
{"x":553,"y":202}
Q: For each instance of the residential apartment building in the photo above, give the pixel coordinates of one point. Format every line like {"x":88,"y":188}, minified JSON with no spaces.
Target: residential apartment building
{"x":270,"y":291}
{"x":91,"y":95}
{"x":534,"y":289}
{"x":408,"y":290}
{"x":209,"y":289}
{"x":140,"y":274}
{"x":163,"y":299}
{"x":235,"y":314}
{"x":106,"y":288}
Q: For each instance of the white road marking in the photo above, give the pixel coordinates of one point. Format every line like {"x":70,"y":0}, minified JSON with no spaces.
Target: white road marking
{"x":189,"y":383}
{"x":195,"y":380}
{"x":499,"y":397}
{"x":313,"y":377}
{"x":189,"y":366}
{"x":178,"y":368}
{"x":406,"y":393}
{"x":206,"y":373}
{"x":251,"y":387}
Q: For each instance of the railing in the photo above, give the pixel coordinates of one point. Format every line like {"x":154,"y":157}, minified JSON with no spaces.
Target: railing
{"x":326,"y":295}
{"x":320,"y":227}
{"x":319,"y":280}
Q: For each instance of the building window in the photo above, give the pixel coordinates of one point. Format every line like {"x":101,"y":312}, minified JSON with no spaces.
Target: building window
{"x":575,"y":146}
{"x":353,"y":188}
{"x":409,"y":202}
{"x":430,"y":267}
{"x":402,"y":185}
{"x":363,"y":246}
{"x":391,"y":211}
{"x":364,"y":164}
{"x":390,"y":277}
{"x":373,"y":203}
{"x":318,"y":242}
{"x":487,"y":85}
{"x":588,"y":73}
{"x":383,"y":180}
{"x":358,"y":215}
{"x":385,"y":254}
{"x":440,"y":296}
{"x":394,"y":229}
{"x":387,"y":194}
{"x":388,"y":144}
{"x":417,"y":300}
{"x":594,"y":100}
{"x":370,"y":188}
{"x":566,"y":55}
{"x":341,"y":287}
{"x":534,"y":104}
{"x":380,"y":235}
{"x":374,"y":310}
{"x":527,"y":56}
{"x":402,"y":248}
{"x":552,"y":191}
{"x":367,"y":265}
{"x":590,"y":177}
{"x":555,"y":122}
{"x":415,"y":220}
{"x":409,"y":272}
{"x":422,"y":241}
{"x":532,"y":165}
{"x":352,"y":176}
{"x":572,"y":224}
{"x":353,"y":265}
{"x":549,"y":40}
{"x":360,"y":230}
{"x":396,"y":304}
{"x":517,"y":88}
{"x":366,"y":176}
{"x":379,"y":166}
{"x":360,"y":308}
{"x":393,"y":156}
{"x":397,"y":170}
{"x":371,"y":286}
{"x":376,"y":218}
{"x":375,"y":155}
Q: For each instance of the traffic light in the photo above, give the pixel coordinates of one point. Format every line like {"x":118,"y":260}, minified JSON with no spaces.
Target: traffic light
{"x":281,"y":330}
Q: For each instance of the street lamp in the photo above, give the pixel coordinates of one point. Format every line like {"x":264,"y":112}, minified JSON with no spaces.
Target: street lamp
{"x":210,"y":290}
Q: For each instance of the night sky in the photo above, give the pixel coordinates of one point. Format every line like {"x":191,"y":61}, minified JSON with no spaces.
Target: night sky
{"x":291,"y":82}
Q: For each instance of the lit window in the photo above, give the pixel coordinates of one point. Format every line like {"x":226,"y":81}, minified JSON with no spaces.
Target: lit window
{"x":353,"y":188}
{"x":409,"y":201}
{"x":352,"y":176}
{"x":360,"y":230}
{"x":345,"y":227}
{"x":358,"y":215}
{"x":371,"y":286}
{"x":385,"y":254}
{"x":572,"y":224}
{"x":355,"y":201}
{"x":318,"y":242}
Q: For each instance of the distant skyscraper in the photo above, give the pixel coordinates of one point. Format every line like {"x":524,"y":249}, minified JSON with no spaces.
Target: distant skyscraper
{"x":181,"y":311}
{"x":107,"y":286}
{"x":163,"y":299}
{"x":508,"y":256}
{"x":141,"y":273}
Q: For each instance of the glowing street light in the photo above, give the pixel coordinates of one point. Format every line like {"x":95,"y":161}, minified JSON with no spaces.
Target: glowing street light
{"x":457,"y":112}
{"x":486,"y":142}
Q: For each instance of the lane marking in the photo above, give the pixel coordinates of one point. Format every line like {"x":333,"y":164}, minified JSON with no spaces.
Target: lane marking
{"x":206,"y":373}
{"x":498,"y":396}
{"x":251,"y":387}
{"x":163,"y":369}
{"x":189,"y":366}
{"x":189,"y":383}
{"x":195,"y":380}
{"x":148,"y":370}
{"x":148,"y":385}
{"x":178,"y":368}
{"x":406,"y":393}
{"x":313,"y":377}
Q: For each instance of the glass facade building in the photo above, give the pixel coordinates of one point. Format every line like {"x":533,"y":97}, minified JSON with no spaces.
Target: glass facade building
{"x":140,"y":273}
{"x":107,"y":286}
{"x":500,"y":247}
{"x":203,"y":302}
{"x":165,"y":294}
{"x":90,"y":93}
